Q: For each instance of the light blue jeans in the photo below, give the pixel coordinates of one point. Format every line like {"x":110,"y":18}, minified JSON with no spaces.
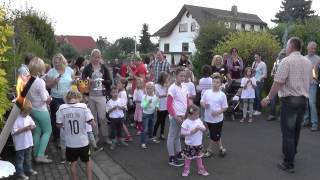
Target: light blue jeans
{"x":311,"y":109}
{"x":173,"y":140}
{"x":23,"y":161}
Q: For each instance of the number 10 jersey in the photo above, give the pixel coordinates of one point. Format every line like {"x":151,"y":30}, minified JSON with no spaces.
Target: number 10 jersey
{"x":73,"y":118}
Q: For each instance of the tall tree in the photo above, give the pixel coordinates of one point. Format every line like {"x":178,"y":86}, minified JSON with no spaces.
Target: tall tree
{"x":294,"y":10}
{"x":125,"y":44}
{"x":39,"y":26}
{"x":102,"y":43}
{"x":68,"y":51}
{"x":145,"y":42}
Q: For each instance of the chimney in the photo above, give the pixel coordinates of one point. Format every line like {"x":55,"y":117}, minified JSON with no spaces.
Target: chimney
{"x":234,"y":10}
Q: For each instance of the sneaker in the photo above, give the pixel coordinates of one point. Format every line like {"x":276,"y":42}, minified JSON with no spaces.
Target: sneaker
{"x":155,"y":140}
{"x":203,"y":172}
{"x":207,"y":154}
{"x":113,"y":146}
{"x":179,"y":156}
{"x":143,"y":146}
{"x":242,"y":120}
{"x":174,"y":162}
{"x":108,"y":141}
{"x":314,"y":128}
{"x":128,"y":139}
{"x":185,"y":173}
{"x":283,"y":167}
{"x":22,"y":177}
{"x":271,"y":118}
{"x":257,"y":113}
{"x":42,"y":160}
{"x":123,"y":143}
{"x":305,"y":124}
{"x":32,"y":173}
{"x":250,"y":120}
{"x":97,"y":149}
{"x":162,"y":137}
{"x":222,"y":152}
{"x":63,"y":161}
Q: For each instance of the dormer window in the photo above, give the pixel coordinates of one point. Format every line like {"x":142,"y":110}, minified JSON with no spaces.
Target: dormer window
{"x":183,"y":27}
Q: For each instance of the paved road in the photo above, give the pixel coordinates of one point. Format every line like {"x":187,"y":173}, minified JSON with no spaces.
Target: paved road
{"x":253,"y":152}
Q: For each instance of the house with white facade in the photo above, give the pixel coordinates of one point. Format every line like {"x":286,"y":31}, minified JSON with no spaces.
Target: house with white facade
{"x":178,"y":35}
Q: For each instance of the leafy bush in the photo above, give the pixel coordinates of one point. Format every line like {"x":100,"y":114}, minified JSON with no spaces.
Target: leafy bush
{"x":209,"y":36}
{"x":249,"y":43}
{"x":6,"y":32}
{"x":307,"y":31}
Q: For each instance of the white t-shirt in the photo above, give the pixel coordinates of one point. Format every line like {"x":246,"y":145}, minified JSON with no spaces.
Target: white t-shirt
{"x":38,"y":95}
{"x":149,"y":108}
{"x":191,"y":88}
{"x":196,"y":138}
{"x":118,"y":113}
{"x":204,"y":84}
{"x":74,"y":118}
{"x":138,"y":95}
{"x":23,"y":140}
{"x":180,"y":99}
{"x":216,"y":101}
{"x":123,"y":95}
{"x":248,"y":93}
{"x":162,"y":92}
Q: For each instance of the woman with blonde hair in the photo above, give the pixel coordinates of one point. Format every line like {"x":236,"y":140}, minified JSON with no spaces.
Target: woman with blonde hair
{"x":218,"y":66}
{"x":39,"y":98}
{"x":59,"y":79}
{"x":100,"y":82}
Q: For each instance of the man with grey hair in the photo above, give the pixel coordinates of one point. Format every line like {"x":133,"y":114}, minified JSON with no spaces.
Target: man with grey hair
{"x":292,"y":80}
{"x":311,"y":113}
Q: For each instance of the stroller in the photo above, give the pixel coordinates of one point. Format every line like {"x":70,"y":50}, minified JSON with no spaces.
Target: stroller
{"x":232,"y":90}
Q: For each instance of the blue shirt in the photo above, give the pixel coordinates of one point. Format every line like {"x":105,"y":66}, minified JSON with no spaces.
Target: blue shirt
{"x":64,"y":85}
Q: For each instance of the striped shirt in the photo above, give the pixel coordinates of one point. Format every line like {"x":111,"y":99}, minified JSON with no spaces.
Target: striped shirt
{"x":159,"y":67}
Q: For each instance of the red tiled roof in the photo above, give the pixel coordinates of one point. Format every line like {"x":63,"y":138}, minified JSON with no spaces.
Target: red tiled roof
{"x":80,"y":43}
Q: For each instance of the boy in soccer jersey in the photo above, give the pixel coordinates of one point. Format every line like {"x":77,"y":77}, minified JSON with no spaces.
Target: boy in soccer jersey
{"x":73,"y":117}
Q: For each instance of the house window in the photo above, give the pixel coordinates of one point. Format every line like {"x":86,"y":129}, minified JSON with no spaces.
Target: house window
{"x":183,"y":27}
{"x":185,"y":47}
{"x":166,"y":47}
{"x":261,"y":27}
{"x":227,"y":25}
{"x":193,"y":27}
{"x":252,"y":27}
{"x":243,"y":27}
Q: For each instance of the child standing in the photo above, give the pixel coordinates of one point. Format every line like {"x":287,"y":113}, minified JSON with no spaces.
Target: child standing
{"x":161,"y":89}
{"x":192,"y":128}
{"x":122,"y":85}
{"x":177,"y":104}
{"x":137,"y":99}
{"x":248,"y":83}
{"x":190,"y":86}
{"x":150,"y":103}
{"x":74,"y":116}
{"x":205,"y":83}
{"x":23,"y":142}
{"x":116,"y":108}
{"x":214,"y":101}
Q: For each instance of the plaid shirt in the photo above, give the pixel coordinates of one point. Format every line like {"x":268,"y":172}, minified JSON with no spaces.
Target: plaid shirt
{"x":295,"y":71}
{"x":159,"y":67}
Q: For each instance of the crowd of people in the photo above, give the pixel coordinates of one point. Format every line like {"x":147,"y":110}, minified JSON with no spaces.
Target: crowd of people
{"x":85,"y":105}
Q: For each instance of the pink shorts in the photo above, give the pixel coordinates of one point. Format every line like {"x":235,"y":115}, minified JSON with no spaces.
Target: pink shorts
{"x":138,"y":113}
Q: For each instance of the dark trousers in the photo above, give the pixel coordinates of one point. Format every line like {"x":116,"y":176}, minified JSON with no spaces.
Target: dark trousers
{"x":161,"y":120}
{"x":257,"y":100}
{"x":292,"y":111}
{"x":273,"y":106}
{"x":54,"y":106}
{"x":147,"y":120}
{"x":116,"y":127}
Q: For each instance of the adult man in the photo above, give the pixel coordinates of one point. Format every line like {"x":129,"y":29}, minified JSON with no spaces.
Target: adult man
{"x":292,"y":80}
{"x":161,"y":65}
{"x":311,"y":112}
{"x":272,"y":112}
{"x":260,"y":73}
